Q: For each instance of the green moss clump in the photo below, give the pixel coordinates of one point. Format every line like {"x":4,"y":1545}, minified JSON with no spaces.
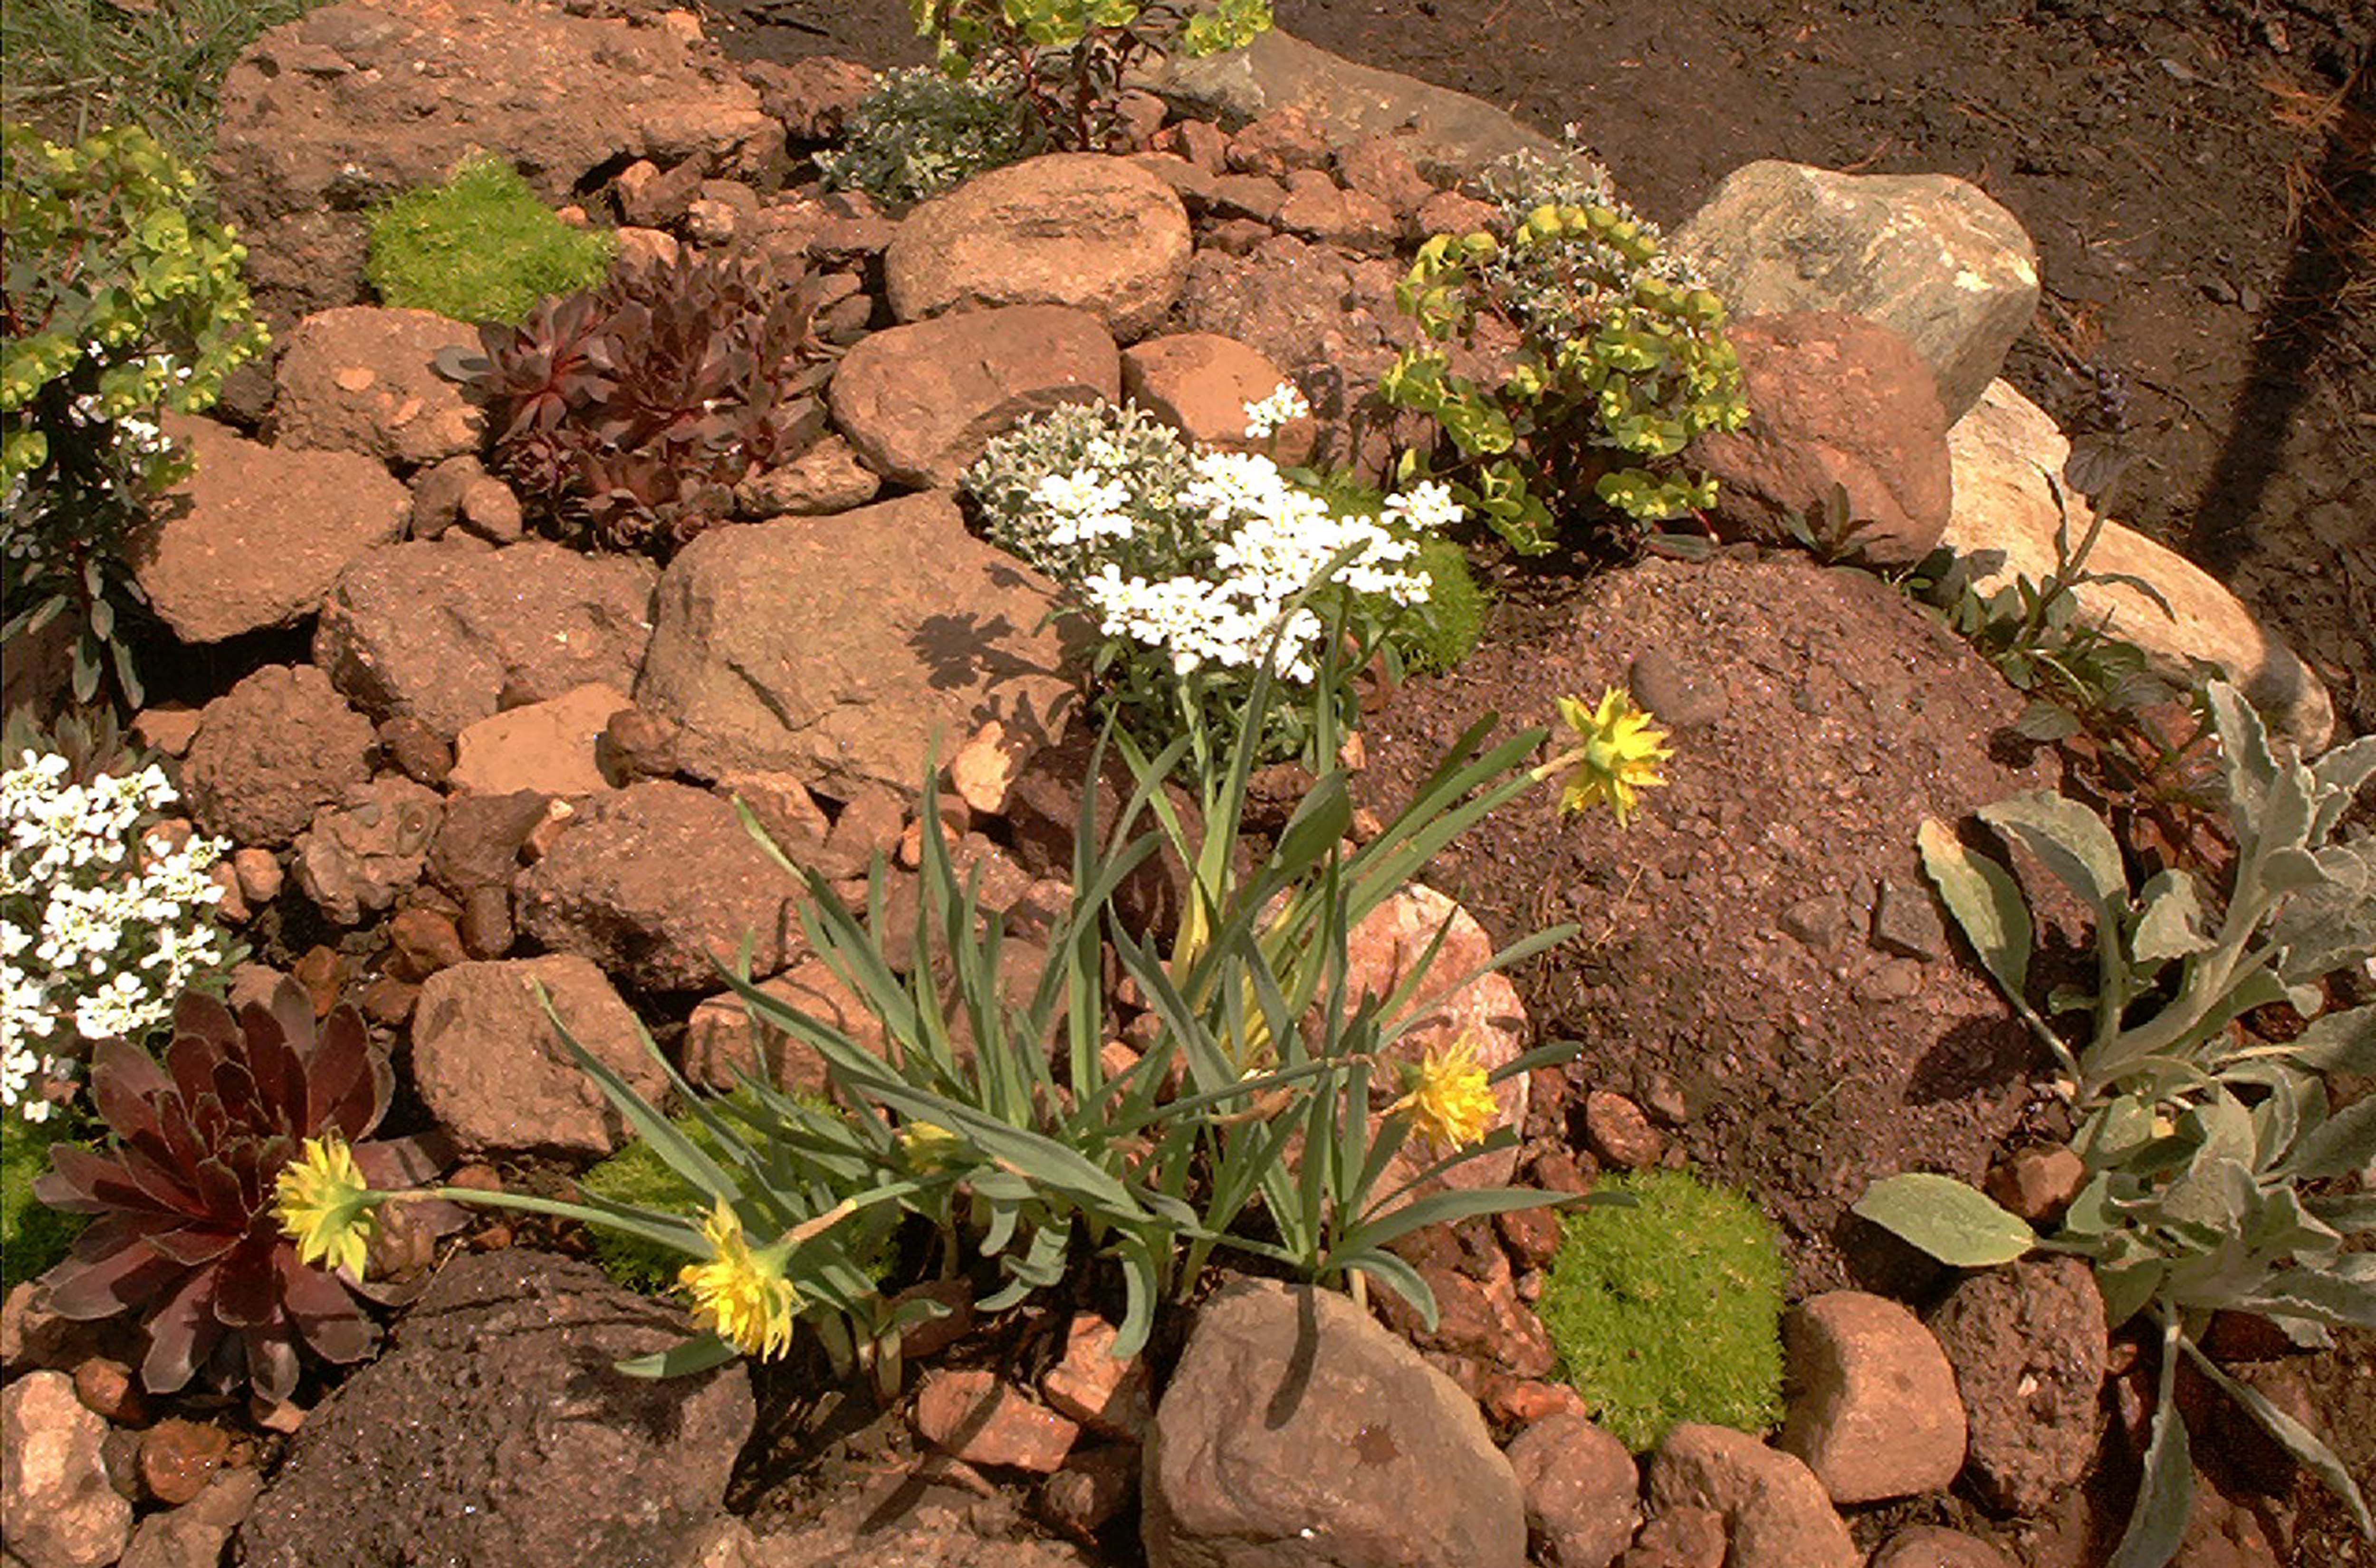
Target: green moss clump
{"x":481,"y":248}
{"x":1444,"y":630}
{"x":33,"y":1234}
{"x":1670,"y":1309}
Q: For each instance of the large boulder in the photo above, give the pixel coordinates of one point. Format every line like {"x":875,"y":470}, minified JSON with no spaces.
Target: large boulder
{"x":361,"y":379}
{"x":1078,"y":229}
{"x":1298,"y":1433}
{"x":659,"y":882}
{"x":1928,"y":254}
{"x":354,"y":103}
{"x":1834,"y":401}
{"x":2005,"y":452}
{"x":270,"y":751}
{"x":450,"y":634}
{"x":256,"y":535}
{"x":1448,"y":133}
{"x":493,"y":1068}
{"x":920,"y":402}
{"x":525,"y":1449}
{"x":849,"y":652}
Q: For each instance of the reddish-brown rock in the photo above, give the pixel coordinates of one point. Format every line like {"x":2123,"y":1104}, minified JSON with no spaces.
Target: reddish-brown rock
{"x":272,"y":751}
{"x":1200,"y":384}
{"x":492,"y":1067}
{"x":362,"y":379}
{"x":1580,"y":1487}
{"x":982,"y":1421}
{"x":1874,"y":1408}
{"x":1109,"y":1394}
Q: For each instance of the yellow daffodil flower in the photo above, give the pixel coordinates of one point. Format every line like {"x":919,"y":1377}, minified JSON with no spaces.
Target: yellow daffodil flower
{"x":742,"y":1294}
{"x":1449,"y":1102}
{"x":1619,"y":754}
{"x":325,"y":1206}
{"x":928,"y":1144}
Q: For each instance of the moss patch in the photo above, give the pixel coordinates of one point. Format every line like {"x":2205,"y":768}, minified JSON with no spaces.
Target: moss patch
{"x":481,"y":248}
{"x":1669,"y":1311}
{"x":33,"y":1234}
{"x":1445,"y":629}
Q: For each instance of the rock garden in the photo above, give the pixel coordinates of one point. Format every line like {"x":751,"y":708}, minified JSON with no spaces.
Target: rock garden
{"x":1148,"y":801}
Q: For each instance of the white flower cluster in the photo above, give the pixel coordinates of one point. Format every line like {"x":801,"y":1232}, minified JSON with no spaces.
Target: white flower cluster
{"x":99,"y":931}
{"x":1272,"y":540}
{"x":1276,"y":412}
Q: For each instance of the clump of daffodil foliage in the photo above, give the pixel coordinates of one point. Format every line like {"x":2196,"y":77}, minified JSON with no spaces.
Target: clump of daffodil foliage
{"x":1669,"y":1310}
{"x":481,"y":248}
{"x":1621,"y":359}
{"x":1616,"y":754}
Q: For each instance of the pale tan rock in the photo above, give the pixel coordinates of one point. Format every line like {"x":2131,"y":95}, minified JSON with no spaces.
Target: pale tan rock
{"x":2004,"y":450}
{"x":1874,"y":1408}
{"x":544,"y":746}
{"x":1200,"y":383}
{"x":56,"y":1507}
{"x":1108,"y":1393}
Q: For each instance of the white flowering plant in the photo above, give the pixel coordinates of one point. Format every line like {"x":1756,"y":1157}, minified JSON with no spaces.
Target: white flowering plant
{"x":103,"y":922}
{"x":1194,"y":569}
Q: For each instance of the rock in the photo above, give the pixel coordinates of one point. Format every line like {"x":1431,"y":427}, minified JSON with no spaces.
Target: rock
{"x":419,"y":753}
{"x":327,"y":116}
{"x":362,"y":379}
{"x":1874,"y":1408}
{"x":2027,"y":1343}
{"x":259,"y":873}
{"x":194,"y":1535}
{"x":1107,"y":1393}
{"x":108,"y":1389}
{"x":1200,"y":383}
{"x":270,"y":751}
{"x":1296,"y":1432}
{"x":424,"y":941}
{"x":1449,"y":212}
{"x":1478,"y":1320}
{"x":544,"y":746}
{"x":812,"y":98}
{"x":825,"y":479}
{"x":179,"y":1458}
{"x":1621,"y":1134}
{"x":723,"y":1043}
{"x":1092,"y":1489}
{"x":443,"y":633}
{"x":56,"y":1507}
{"x":1774,"y":1508}
{"x":255,"y":535}
{"x":2039,"y":1184}
{"x":525,"y":1453}
{"x":167,"y":728}
{"x":1834,"y":401}
{"x":919,"y":402}
{"x":1317,"y":207}
{"x":359,"y":855}
{"x":1380,"y":167}
{"x":824,"y":653}
{"x":1580,"y":1488}
{"x":985,"y":1421}
{"x":1682,"y":1537}
{"x":1931,"y":1546}
{"x":2004,"y":451}
{"x":495,"y":1072}
{"x":1100,"y":234}
{"x":1280,"y":142}
{"x":478,"y":844}
{"x":1042,"y":809}
{"x":658,"y":884}
{"x":461,"y":490}
{"x":486,"y":924}
{"x":1928,"y":254}
{"x":1456,"y":1003}
{"x":1450,"y":135}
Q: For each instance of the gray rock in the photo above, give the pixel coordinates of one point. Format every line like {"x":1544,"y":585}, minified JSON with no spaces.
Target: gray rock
{"x":1296,"y":1432}
{"x":1097,"y":233}
{"x":1874,"y":1408}
{"x":1581,"y":1488}
{"x":1773,"y":1508}
{"x":851,"y":653}
{"x":359,"y":855}
{"x":524,"y":1455}
{"x":256,"y":535}
{"x":495,"y":1072}
{"x":1448,"y":135}
{"x":272,"y":751}
{"x":658,"y":884}
{"x":56,"y":1507}
{"x":1928,"y":254}
{"x":450,"y":634}
{"x":2027,"y":1343}
{"x":920,"y":402}
{"x":362,"y":379}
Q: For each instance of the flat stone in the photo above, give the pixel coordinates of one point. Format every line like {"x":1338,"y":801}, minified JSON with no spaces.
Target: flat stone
{"x":983,"y":1420}
{"x":494,"y":1069}
{"x":544,"y":746}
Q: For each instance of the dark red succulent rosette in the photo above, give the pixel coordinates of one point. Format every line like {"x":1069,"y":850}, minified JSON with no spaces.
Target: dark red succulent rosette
{"x":186,"y":1234}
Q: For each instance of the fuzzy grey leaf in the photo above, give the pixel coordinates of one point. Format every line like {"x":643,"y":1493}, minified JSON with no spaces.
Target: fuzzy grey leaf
{"x":1986,"y":902}
{"x":2171,"y":926}
{"x":1951,"y":1221}
{"x":2072,"y":840}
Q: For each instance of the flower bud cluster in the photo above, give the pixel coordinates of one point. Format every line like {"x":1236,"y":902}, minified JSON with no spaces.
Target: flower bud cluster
{"x":101,"y":929}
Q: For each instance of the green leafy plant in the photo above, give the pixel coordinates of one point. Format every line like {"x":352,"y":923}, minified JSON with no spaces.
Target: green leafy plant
{"x":1669,"y":1310}
{"x":627,"y":414}
{"x":918,"y":132}
{"x":2197,"y":1143}
{"x":1067,"y":60}
{"x":1620,"y":359}
{"x":118,"y":307}
{"x":481,"y":248}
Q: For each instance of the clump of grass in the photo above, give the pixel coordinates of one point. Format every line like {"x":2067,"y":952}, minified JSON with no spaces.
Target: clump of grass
{"x":77,"y":65}
{"x":1670,"y":1309}
{"x":33,"y":1234}
{"x":481,"y":248}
